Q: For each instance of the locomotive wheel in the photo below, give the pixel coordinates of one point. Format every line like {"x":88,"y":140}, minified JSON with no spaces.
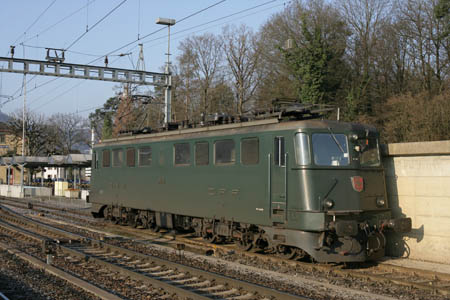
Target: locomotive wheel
{"x":145,"y":223}
{"x":154,"y":228}
{"x":136,"y":222}
{"x":286,"y":252}
{"x":245,"y":243}
{"x":301,"y":255}
{"x":210,"y":238}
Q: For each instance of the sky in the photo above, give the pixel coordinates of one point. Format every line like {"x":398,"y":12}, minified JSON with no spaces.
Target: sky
{"x":33,"y":25}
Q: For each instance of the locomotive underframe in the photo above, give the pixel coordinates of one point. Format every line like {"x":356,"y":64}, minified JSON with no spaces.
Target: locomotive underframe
{"x":345,"y":240}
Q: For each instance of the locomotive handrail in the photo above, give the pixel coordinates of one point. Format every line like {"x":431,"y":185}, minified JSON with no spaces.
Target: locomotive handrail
{"x":286,"y":186}
{"x":269,"y":185}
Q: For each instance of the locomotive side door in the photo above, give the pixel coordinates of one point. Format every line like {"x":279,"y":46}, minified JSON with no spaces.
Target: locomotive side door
{"x":278,"y":181}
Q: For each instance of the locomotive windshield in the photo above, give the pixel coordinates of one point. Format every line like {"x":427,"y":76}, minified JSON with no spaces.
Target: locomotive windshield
{"x":330,"y":149}
{"x":370,"y":155}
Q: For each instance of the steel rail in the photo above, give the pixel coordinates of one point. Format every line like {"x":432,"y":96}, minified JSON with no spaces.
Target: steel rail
{"x":82,"y":284}
{"x":177,"y":288}
{"x":3,"y":297}
{"x":41,"y":225}
{"x":438,"y":283}
{"x":15,"y":201}
{"x":134,"y":275}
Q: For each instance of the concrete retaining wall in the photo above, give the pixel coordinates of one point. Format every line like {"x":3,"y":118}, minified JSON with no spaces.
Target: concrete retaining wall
{"x":29,"y":191}
{"x":418,"y":186}
{"x":10,"y":191}
{"x":63,"y":202}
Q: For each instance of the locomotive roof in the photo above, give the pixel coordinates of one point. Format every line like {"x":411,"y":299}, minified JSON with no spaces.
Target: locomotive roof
{"x":237,"y":128}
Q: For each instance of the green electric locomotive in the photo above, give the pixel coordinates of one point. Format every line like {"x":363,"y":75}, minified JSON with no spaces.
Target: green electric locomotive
{"x":298,"y":188}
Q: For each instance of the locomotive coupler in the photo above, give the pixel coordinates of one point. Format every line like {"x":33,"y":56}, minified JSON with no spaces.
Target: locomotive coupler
{"x":344,"y":227}
{"x":399,"y":225}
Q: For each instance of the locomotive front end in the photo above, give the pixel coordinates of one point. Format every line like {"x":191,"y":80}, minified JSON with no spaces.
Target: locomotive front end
{"x":365,"y":215}
{"x":342,"y":179}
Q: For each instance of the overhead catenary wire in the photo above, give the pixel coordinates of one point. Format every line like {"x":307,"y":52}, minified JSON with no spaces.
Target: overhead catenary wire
{"x":75,"y":41}
{"x":156,"y":31}
{"x":34,"y":22}
{"x":44,"y":31}
{"x":219,"y":19}
{"x":110,"y":53}
{"x":185,"y":30}
{"x":69,"y":51}
{"x":59,"y":22}
{"x":93,"y":26}
{"x":61,"y":94}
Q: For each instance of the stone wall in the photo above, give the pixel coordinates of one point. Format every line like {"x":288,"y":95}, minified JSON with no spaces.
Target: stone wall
{"x":418,"y":186}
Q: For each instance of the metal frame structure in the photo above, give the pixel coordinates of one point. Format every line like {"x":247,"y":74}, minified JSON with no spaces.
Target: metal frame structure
{"x":61,"y":69}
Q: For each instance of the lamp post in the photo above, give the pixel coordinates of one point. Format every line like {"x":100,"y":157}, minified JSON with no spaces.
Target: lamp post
{"x":168,"y":92}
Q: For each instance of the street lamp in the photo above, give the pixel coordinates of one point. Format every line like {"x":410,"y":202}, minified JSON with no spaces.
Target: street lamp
{"x":168,"y":92}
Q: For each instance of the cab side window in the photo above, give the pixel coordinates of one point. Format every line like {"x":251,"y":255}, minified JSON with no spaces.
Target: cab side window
{"x":106,"y":158}
{"x":144,"y":156}
{"x":302,"y":152}
{"x":131,"y":157}
{"x":224,"y":152}
{"x":182,"y":155}
{"x":201,"y":153}
{"x":117,"y":157}
{"x":250,"y":151}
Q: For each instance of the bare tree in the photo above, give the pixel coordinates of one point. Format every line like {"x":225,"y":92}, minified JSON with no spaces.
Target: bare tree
{"x":187,"y":83}
{"x":428,"y":49}
{"x":207,"y":59}
{"x":38,"y":136}
{"x":125,"y":117}
{"x":70,"y":130}
{"x":365,"y":19}
{"x":243,"y":56}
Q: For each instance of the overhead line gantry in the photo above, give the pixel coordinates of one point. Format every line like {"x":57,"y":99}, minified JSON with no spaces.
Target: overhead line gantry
{"x":79,"y":71}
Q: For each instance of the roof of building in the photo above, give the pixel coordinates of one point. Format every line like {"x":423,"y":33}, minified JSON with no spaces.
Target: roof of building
{"x":71,"y":160}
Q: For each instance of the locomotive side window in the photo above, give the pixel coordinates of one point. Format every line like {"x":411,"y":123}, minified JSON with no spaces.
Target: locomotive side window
{"x":250,"y":151}
{"x":370,"y":154}
{"x":330,"y":149}
{"x":131,"y":157}
{"x":202,"y":153}
{"x":278,"y":155}
{"x":117,"y":157}
{"x":95,"y":160}
{"x":145,"y":156}
{"x":224,"y":152}
{"x":182,"y":155}
{"x":302,"y":152}
{"x":106,"y":158}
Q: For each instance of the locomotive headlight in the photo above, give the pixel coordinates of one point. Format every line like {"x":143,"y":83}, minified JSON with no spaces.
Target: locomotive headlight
{"x":328,"y":203}
{"x":380,"y":202}
{"x":354,"y":137}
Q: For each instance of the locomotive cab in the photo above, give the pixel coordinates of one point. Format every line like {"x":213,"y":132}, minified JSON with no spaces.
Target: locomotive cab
{"x":339,"y":194}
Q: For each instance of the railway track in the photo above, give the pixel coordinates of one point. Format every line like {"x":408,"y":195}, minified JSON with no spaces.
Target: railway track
{"x":3,"y":297}
{"x":25,"y":201}
{"x":437,"y":284}
{"x":175,"y":279}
